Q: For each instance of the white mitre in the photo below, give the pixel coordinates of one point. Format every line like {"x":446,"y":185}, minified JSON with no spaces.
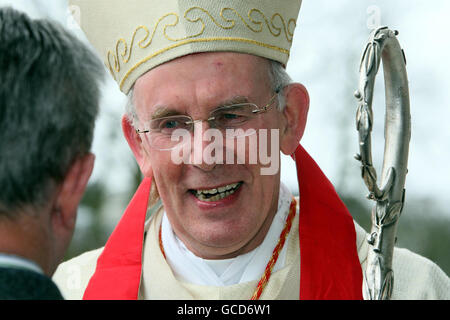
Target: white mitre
{"x":134,"y":36}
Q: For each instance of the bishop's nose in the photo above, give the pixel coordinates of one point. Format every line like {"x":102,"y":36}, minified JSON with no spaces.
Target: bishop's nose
{"x":202,"y":152}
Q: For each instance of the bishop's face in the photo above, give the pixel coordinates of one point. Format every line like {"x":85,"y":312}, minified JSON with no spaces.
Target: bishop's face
{"x":195,"y":85}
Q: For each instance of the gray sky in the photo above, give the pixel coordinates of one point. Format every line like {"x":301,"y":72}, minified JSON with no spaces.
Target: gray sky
{"x":327,"y":45}
{"x":325,"y":57}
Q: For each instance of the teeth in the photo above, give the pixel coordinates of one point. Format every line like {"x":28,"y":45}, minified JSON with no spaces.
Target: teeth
{"x":217,"y":194}
{"x":220,"y":189}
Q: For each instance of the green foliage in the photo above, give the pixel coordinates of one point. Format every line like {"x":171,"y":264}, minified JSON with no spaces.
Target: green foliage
{"x":422,"y":227}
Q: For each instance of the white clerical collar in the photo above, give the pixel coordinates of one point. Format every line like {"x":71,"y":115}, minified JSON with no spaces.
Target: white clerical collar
{"x":13,"y":261}
{"x":189,"y":268}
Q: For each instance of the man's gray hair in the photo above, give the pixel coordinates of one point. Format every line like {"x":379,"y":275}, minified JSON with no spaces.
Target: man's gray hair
{"x":49,"y":97}
{"x":278,"y":78}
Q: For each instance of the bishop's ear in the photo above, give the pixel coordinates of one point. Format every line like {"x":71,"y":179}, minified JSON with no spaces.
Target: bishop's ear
{"x":295,"y":115}
{"x":136,"y":144}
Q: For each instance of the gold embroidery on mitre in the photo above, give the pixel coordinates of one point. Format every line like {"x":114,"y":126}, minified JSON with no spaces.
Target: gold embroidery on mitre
{"x":122,"y":53}
{"x":285,"y":51}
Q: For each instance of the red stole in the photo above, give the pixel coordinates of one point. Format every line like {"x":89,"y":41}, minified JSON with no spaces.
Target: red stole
{"x":330,"y":267}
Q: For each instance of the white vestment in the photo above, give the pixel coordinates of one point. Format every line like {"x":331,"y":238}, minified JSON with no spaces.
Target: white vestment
{"x":187,"y":267}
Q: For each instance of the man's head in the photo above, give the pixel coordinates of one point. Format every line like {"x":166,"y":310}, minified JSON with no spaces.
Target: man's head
{"x":195,"y":85}
{"x":193,"y":60}
{"x":49,"y":99}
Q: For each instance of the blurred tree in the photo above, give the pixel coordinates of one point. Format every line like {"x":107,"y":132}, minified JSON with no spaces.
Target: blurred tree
{"x":422,"y":227}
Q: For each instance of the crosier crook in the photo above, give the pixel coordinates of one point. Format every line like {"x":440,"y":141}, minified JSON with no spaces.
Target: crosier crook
{"x":383,"y":46}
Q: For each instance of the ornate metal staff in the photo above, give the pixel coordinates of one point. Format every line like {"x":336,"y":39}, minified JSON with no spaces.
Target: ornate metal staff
{"x":383,"y":46}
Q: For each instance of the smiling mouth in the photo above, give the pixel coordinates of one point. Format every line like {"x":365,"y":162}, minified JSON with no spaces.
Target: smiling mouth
{"x":216,"y":194}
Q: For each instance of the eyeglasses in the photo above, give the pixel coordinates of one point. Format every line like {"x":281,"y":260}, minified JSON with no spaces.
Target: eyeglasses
{"x":240,"y":117}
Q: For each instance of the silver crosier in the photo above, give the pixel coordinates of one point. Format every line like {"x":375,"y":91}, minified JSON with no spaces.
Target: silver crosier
{"x":390,"y":196}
